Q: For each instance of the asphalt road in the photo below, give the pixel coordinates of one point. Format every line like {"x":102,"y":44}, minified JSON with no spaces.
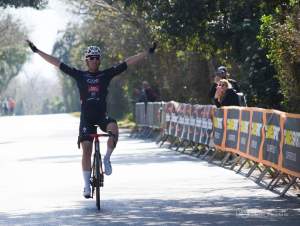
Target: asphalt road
{"x":41,"y":183}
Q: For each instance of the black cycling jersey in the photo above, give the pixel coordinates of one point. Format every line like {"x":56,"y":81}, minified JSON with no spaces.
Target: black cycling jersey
{"x":93,"y":89}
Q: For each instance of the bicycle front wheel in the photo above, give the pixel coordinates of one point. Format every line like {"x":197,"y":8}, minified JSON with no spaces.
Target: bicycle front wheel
{"x":97,"y":175}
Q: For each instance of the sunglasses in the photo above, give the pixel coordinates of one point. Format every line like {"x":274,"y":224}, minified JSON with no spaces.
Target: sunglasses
{"x":222,"y":85}
{"x":94,"y":57}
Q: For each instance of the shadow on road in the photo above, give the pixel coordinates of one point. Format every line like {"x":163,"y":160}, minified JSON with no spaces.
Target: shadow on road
{"x":218,"y":211}
{"x":151,"y":156}
{"x":144,"y":154}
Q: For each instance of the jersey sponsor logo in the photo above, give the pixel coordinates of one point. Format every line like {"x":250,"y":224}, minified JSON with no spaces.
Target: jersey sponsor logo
{"x":92,"y":80}
{"x":93,"y":88}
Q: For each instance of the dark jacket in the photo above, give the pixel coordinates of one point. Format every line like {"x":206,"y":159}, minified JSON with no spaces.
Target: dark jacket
{"x":212,"y":92}
{"x":234,"y":84}
{"x":230,"y":99}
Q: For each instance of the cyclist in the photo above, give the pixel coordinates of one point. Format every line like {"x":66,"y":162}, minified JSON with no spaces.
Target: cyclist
{"x":93,"y":88}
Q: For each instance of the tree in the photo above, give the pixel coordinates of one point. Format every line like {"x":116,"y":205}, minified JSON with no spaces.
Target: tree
{"x":194,"y":38}
{"x":224,"y":32}
{"x":280,"y":35}
{"x":63,"y":49}
{"x":12,"y":50}
{"x":24,"y":3}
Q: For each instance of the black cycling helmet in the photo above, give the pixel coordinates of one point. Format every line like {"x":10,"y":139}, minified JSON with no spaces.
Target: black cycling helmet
{"x":221,"y":73}
{"x":223,"y":68}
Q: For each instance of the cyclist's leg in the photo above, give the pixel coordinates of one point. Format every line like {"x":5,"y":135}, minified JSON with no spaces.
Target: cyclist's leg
{"x":112,"y":141}
{"x":87,"y":146}
{"x":106,"y":125}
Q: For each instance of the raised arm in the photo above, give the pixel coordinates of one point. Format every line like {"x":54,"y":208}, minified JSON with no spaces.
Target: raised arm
{"x":136,"y":58}
{"x":50,"y":59}
{"x":140,"y":56}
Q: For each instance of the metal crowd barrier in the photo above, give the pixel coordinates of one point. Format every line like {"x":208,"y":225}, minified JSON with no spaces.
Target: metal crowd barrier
{"x":266,"y":140}
{"x":149,"y":118}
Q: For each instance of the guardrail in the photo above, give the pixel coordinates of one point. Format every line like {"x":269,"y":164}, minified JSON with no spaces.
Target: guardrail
{"x":267,"y":140}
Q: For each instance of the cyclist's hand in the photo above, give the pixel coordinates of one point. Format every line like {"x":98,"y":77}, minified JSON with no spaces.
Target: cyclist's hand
{"x":32,"y":46}
{"x":152,"y":49}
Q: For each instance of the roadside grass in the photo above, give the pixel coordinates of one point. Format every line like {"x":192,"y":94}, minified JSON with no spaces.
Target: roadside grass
{"x":75,"y":114}
{"x":126,"y":122}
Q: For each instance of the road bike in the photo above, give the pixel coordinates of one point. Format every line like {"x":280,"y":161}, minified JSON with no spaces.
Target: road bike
{"x":97,"y":177}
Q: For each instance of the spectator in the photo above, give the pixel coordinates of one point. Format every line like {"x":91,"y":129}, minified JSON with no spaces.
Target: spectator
{"x":235,"y":86}
{"x":225,"y":95}
{"x":135,"y":95}
{"x":5,"y":106}
{"x":11,"y":105}
{"x":135,"y":98}
{"x":222,"y":73}
{"x":213,"y":88}
{"x":147,"y":94}
{"x":225,"y":75}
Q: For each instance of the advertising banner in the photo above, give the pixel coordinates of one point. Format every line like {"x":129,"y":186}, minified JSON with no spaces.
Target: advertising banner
{"x":180,"y":121}
{"x":173,"y":118}
{"x":196,"y":114}
{"x":219,"y":127}
{"x":272,"y":138}
{"x":291,"y":145}
{"x":244,"y":131}
{"x":206,"y":125}
{"x":169,"y":109}
{"x":186,"y":125}
{"x":256,"y":136}
{"x":192,"y":123}
{"x":232,"y":128}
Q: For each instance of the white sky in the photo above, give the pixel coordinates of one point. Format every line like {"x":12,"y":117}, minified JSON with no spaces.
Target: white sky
{"x":43,"y":26}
